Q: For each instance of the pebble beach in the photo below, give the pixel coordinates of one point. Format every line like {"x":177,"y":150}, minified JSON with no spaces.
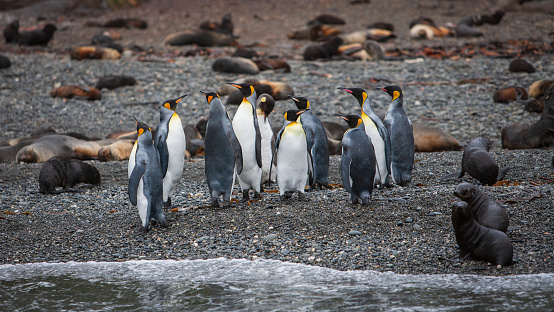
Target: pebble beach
{"x":405,"y":230}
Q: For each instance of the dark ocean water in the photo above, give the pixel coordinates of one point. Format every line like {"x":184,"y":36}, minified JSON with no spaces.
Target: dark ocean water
{"x":262,"y":285}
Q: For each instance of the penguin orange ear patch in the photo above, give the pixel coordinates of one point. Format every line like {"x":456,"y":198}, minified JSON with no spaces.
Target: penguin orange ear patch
{"x":140,"y":131}
{"x":364,"y":96}
{"x":210,"y":98}
{"x":263,"y":99}
{"x":359,"y":122}
{"x":395,"y":95}
{"x":166,"y":105}
{"x":307,"y":104}
{"x":252,"y":90}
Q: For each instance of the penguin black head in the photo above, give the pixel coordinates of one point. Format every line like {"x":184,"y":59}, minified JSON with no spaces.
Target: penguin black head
{"x":352,"y":120}
{"x":210,"y":96}
{"x":172,"y":104}
{"x":266,"y":103}
{"x":394,"y":91}
{"x":141,"y":127}
{"x":245,"y":88}
{"x":301,"y":102}
{"x":358,"y":93}
{"x":293,"y":114}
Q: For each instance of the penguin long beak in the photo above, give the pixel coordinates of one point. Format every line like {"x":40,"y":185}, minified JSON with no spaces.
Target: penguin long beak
{"x":234,"y":85}
{"x":293,"y":98}
{"x":180,"y":98}
{"x":345,"y":89}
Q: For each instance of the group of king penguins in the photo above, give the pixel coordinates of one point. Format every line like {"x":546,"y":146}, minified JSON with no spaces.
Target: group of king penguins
{"x":375,"y":152}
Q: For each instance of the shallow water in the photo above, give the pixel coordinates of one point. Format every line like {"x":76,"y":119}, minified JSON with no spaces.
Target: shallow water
{"x":262,"y":285}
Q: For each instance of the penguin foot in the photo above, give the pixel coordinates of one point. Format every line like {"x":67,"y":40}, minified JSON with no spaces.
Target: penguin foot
{"x":257,"y":195}
{"x":215,"y":203}
{"x":303,"y":197}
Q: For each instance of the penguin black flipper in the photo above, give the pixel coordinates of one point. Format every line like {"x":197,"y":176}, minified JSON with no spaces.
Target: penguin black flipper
{"x":345,"y":167}
{"x":134,"y":180}
{"x":164,"y":153}
{"x":258,"y":139}
{"x":235,"y":144}
{"x":502,"y":173}
{"x":311,"y":174}
{"x":273,"y":159}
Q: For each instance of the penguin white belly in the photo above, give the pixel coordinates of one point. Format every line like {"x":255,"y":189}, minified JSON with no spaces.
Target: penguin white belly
{"x":267,"y":136}
{"x":132,"y":159}
{"x":243,"y":125}
{"x":142,"y":204}
{"x":379,"y":147}
{"x":176,"y":145}
{"x":292,"y":160}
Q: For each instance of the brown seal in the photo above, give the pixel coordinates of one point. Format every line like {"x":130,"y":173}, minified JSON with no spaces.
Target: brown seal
{"x":510,"y":94}
{"x":478,"y":163}
{"x":235,"y":65}
{"x":200,"y":37}
{"x":325,"y":50}
{"x":540,"y":134}
{"x":72,"y":91}
{"x":113,"y":81}
{"x":58,"y":171}
{"x":95,"y":53}
{"x":485,"y":210}
{"x":521,"y":66}
{"x":477,"y":241}
{"x":431,"y":139}
{"x":37,"y":37}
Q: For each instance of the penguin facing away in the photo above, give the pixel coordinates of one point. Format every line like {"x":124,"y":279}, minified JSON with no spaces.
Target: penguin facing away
{"x":171,"y":143}
{"x":264,"y":107}
{"x":245,"y":125}
{"x":401,"y":135}
{"x":358,"y":161}
{"x":317,"y":142}
{"x":145,"y":178}
{"x":222,"y":151}
{"x":292,"y":158}
{"x":376,"y":130}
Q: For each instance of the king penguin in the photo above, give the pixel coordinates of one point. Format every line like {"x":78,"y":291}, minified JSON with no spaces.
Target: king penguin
{"x":358,"y":161}
{"x":245,"y":125}
{"x":317,"y":142}
{"x":376,"y":130}
{"x":401,"y":134}
{"x":222,"y":151}
{"x":264,"y":107}
{"x":292,"y":158}
{"x":171,"y":144}
{"x":145,"y":178}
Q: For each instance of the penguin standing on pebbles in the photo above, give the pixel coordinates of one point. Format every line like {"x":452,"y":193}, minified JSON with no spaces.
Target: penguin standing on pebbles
{"x":222,"y":151}
{"x":264,"y":107}
{"x":292,"y":158}
{"x":376,"y":130}
{"x":401,"y":135}
{"x":146,"y":179}
{"x":358,"y":161}
{"x":317,"y":142}
{"x":171,"y":145}
{"x":245,"y":125}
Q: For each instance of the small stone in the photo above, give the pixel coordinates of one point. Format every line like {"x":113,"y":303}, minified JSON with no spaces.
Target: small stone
{"x":354,"y":232}
{"x":416,"y":227}
{"x":409,"y":220}
{"x":270,"y":237}
{"x":400,"y":223}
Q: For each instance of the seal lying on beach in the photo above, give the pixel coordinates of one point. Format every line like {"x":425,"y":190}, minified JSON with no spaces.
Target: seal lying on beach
{"x":537,"y":135}
{"x":485,"y":210}
{"x":58,"y":171}
{"x":477,"y":241}
{"x":478,"y":163}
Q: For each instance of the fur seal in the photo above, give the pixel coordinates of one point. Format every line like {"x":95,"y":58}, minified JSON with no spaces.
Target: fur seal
{"x":95,"y":53}
{"x":539,"y":134}
{"x":326,"y":19}
{"x":36,"y":37}
{"x":235,"y":65}
{"x":225,"y":27}
{"x":510,"y":94}
{"x":466,"y":27}
{"x":431,"y":139}
{"x":200,"y":37}
{"x":120,"y":23}
{"x":58,"y":171}
{"x":538,"y":88}
{"x":11,"y":32}
{"x":535,"y":105}
{"x":521,"y":66}
{"x":323,"y":51}
{"x":111,"y":82}
{"x":478,"y":163}
{"x":479,"y":242}
{"x":382,"y":25}
{"x":379,"y":35}
{"x":72,"y":91}
{"x":485,"y":210}
{"x":106,"y":41}
{"x":278,"y":65}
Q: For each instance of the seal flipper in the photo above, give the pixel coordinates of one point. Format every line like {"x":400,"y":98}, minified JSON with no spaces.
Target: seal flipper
{"x":502,"y":173}
{"x":453,"y":175}
{"x":134,"y":181}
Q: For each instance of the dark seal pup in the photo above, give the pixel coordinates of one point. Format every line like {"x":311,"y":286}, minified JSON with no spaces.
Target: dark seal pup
{"x":58,"y":171}
{"x":477,"y":241}
{"x":484,"y":209}
{"x":478,"y":163}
